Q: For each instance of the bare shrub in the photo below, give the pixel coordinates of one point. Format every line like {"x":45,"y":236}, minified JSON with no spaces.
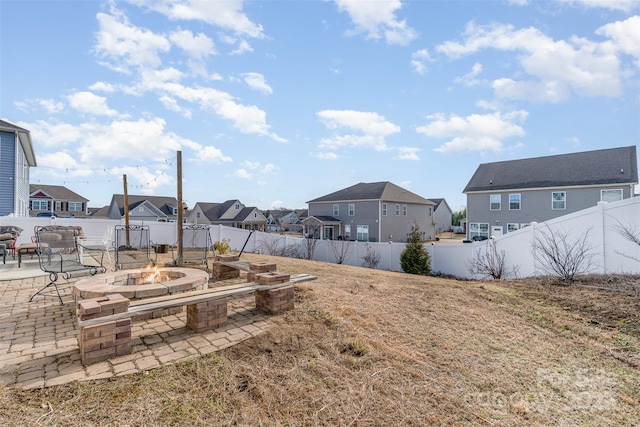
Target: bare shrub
{"x":561,"y":256}
{"x":309,"y":245}
{"x":490,"y":262}
{"x":372,"y":258}
{"x":341,"y":249}
{"x":278,"y":247}
{"x":630,"y":233}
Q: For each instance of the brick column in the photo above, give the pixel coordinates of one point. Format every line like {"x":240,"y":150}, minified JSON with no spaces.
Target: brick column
{"x":103,"y":341}
{"x":274,"y":301}
{"x":259,"y":268}
{"x":224,"y":272}
{"x":208,"y":315}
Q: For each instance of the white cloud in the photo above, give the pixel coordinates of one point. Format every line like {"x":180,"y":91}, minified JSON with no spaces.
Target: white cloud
{"x":407,"y":153}
{"x":142,"y":179}
{"x":623,"y":5}
{"x":556,"y":68}
{"x":171,"y":104}
{"x":87,"y":102}
{"x":62,"y":161}
{"x":226,"y":14}
{"x":469,"y":79}
{"x":624,"y":36}
{"x":210,"y":154}
{"x":326,"y":156}
{"x":378,"y":19}
{"x":54,"y":134}
{"x":124,"y":45}
{"x":242,"y":173}
{"x":419,"y":59}
{"x":477,"y":132}
{"x":51,"y":106}
{"x":366,"y":129}
{"x":102,"y":87}
{"x":268,"y":168}
{"x":256,"y":81}
{"x":197,"y":47}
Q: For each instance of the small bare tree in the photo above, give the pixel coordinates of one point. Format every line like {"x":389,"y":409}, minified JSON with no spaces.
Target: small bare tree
{"x":278,"y":247}
{"x":372,"y":258}
{"x":560,"y":255}
{"x":490,"y":262}
{"x":310,"y":242}
{"x":630,"y":233}
{"x":341,"y":249}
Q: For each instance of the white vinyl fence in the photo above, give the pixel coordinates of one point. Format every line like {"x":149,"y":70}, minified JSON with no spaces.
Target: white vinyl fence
{"x":609,"y":250}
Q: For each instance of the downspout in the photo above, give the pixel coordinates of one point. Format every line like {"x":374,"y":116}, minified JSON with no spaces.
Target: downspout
{"x":379,"y":221}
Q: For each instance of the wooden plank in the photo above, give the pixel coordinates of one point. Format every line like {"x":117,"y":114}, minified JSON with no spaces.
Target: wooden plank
{"x":240,"y":265}
{"x":150,"y":305}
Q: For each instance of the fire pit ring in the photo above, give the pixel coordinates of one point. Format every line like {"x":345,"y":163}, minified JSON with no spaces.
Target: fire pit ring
{"x":131,"y":283}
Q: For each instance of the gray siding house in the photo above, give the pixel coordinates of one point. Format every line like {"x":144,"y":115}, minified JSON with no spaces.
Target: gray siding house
{"x":506,"y":196}
{"x":143,"y":208}
{"x":370,"y":212}
{"x":58,"y":200}
{"x":16,"y":157}
{"x":231,"y":213}
{"x":442,"y":215}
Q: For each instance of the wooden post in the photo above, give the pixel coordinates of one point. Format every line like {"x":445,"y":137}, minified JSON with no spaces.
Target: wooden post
{"x":126,"y":210}
{"x":179,"y":219}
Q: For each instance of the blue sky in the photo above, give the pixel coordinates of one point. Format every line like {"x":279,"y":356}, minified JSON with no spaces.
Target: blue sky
{"x":276,"y":103}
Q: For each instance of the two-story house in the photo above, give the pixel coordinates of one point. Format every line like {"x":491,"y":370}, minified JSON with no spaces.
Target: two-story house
{"x":16,"y":157}
{"x":142,"y":208}
{"x":231,"y":213}
{"x":370,"y":212}
{"x":442,"y":215}
{"x":284,"y":220}
{"x":57,"y":200}
{"x":506,"y":196}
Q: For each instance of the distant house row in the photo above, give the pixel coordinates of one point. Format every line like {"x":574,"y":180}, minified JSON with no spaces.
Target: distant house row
{"x":502,"y":197}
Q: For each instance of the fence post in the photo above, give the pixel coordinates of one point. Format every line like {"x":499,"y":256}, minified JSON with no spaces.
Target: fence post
{"x":533,"y":248}
{"x":603,"y":257}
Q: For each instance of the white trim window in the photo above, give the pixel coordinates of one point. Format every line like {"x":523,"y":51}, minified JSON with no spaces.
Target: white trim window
{"x":336,"y":210}
{"x":495,"y":201}
{"x":514,"y":202}
{"x":404,"y":210}
{"x":612,"y":195}
{"x":558,"y":200}
{"x":352,"y":209}
{"x":363,"y":233}
{"x":74,"y":207}
{"x":511,"y":227}
{"x":347,"y":231}
{"x":58,"y":205}
{"x":480,"y":229}
{"x":384,"y":209}
{"x":39,"y":205}
{"x":397,"y":209}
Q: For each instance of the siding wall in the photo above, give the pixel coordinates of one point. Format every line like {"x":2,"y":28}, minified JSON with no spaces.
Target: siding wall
{"x":7,"y":173}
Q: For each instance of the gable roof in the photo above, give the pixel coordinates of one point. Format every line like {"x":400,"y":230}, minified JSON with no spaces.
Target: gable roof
{"x":56,"y":192}
{"x":162,"y":203}
{"x":608,"y":166}
{"x":24,"y":136}
{"x":384,"y":190}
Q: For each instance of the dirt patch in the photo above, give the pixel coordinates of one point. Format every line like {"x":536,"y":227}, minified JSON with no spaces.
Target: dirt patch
{"x":375,"y":348}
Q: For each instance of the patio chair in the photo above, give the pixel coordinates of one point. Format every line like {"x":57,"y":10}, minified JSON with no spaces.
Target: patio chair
{"x":196,"y":245}
{"x":132,"y":246}
{"x":8,"y":237}
{"x":102,"y":244}
{"x":58,"y":255}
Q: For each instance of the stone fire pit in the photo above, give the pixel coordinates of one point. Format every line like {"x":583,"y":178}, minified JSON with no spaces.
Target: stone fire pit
{"x":142,"y":283}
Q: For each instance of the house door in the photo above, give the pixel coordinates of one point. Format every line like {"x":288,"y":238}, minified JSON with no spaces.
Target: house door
{"x":496,"y":230}
{"x":328,"y":232}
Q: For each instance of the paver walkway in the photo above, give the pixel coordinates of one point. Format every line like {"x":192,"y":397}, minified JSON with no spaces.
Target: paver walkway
{"x":39,"y":345}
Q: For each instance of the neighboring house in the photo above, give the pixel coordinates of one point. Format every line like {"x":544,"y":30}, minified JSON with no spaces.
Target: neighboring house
{"x":370,"y":212}
{"x":284,"y":220}
{"x":506,"y":196}
{"x":442,"y":215}
{"x":57,"y":200}
{"x":141,"y":208}
{"x":16,"y":157}
{"x":231,"y":213}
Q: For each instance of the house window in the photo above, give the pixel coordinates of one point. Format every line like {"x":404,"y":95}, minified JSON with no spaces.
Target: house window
{"x":255,"y":215}
{"x":610,"y":195}
{"x":512,"y":227}
{"x":363,"y":233}
{"x":430,"y":210}
{"x":404,"y":210}
{"x":397,"y":209}
{"x":514,"y":202}
{"x":237,"y":206}
{"x":384,"y":209}
{"x":524,"y":224}
{"x":494,"y":202}
{"x":559,"y":200}
{"x":75,"y":207}
{"x":347,"y":232}
{"x":336,"y":210}
{"x":39,"y":205}
{"x":352,"y":209}
{"x":197,"y":214}
{"x":58,"y":205}
{"x":478,"y":229}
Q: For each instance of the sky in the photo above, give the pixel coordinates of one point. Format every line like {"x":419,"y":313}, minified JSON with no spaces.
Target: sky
{"x":276,"y":103}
